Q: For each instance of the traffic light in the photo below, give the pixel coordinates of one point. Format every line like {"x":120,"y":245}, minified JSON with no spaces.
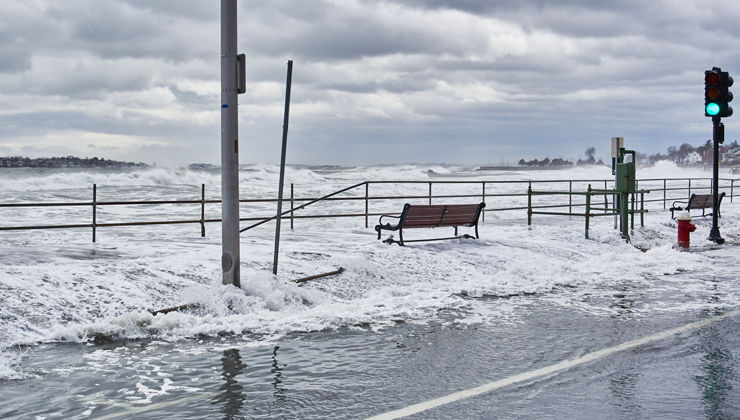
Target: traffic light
{"x":716,"y":93}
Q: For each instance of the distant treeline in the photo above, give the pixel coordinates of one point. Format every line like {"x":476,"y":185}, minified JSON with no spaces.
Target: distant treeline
{"x":65,"y":162}
{"x":685,"y":154}
{"x":545,"y":162}
{"x":590,"y":160}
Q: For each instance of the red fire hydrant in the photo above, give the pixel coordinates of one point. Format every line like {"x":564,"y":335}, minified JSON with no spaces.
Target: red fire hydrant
{"x":685,"y":227}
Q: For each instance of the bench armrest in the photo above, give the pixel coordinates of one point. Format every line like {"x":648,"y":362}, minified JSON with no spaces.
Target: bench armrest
{"x":380,"y":221}
{"x":674,"y":207}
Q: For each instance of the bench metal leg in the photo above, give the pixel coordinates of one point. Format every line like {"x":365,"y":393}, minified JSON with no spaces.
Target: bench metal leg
{"x":400,"y":237}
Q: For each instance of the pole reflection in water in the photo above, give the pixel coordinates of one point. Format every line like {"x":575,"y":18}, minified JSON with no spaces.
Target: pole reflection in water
{"x":718,"y":375}
{"x":278,"y":372}
{"x":231,"y":395}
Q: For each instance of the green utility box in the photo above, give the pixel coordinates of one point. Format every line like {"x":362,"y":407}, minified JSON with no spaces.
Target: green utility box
{"x":626,"y":177}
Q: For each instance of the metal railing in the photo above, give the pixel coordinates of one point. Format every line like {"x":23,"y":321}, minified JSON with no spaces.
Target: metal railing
{"x":500,"y":196}
{"x":615,"y":211}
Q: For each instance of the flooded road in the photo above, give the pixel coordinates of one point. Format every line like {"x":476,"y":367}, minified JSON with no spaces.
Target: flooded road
{"x":359,"y":373}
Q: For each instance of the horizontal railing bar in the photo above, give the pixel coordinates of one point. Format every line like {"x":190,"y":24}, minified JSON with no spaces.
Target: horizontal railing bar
{"x":108,"y":203}
{"x":123,"y":203}
{"x":267,"y":200}
{"x":584,"y":215}
{"x":46,"y":227}
{"x":544,"y":181}
{"x":46,"y":204}
{"x":558,"y":213}
{"x":162,"y":222}
{"x":592,"y":192}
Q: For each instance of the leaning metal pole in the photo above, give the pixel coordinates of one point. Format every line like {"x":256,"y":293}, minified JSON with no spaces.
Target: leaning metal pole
{"x":282,"y":166}
{"x":229,"y":146}
{"x":718,"y":136}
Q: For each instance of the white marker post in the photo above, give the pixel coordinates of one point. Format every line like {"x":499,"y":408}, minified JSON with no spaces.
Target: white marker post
{"x":617,"y":143}
{"x":229,"y":145}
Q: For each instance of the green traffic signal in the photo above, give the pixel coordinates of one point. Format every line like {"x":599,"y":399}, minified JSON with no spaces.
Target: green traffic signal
{"x":717,"y":96}
{"x":712,"y":109}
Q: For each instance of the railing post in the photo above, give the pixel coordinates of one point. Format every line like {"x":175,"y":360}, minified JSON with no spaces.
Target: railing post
{"x":732,"y":189}
{"x":634,"y":203}
{"x":570,"y":197}
{"x":367,"y":203}
{"x":292,"y":204}
{"x":588,"y":208}
{"x":689,"y":197}
{"x":202,"y":210}
{"x":529,"y":204}
{"x":94,"y":210}
{"x":606,"y":197}
{"x":483,"y":215}
{"x":642,"y":209}
{"x":632,"y":222}
{"x":430,"y":193}
{"x":664,"y":191}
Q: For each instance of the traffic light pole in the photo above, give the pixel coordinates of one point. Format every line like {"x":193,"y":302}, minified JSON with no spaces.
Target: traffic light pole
{"x":718,"y":136}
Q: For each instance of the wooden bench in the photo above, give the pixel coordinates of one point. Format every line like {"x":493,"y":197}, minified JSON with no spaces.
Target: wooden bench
{"x":698,"y":201}
{"x":432,"y":216}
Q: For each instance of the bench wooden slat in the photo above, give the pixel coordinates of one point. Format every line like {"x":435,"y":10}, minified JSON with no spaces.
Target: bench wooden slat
{"x":698,"y":201}
{"x":431,"y":216}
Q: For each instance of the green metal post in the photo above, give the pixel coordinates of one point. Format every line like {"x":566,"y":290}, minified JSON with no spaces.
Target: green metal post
{"x":367,"y":203}
{"x":624,"y":210}
{"x":430,"y":193}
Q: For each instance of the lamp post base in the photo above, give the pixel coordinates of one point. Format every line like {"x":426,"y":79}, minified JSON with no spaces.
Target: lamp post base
{"x":715,"y":237}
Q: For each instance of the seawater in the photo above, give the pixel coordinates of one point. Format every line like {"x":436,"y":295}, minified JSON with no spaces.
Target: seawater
{"x":399,"y":326}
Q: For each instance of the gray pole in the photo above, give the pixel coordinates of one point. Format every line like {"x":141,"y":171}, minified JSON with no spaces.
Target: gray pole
{"x":282,"y":166}
{"x":229,"y":146}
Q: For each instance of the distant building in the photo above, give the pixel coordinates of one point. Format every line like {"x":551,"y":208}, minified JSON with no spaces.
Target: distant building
{"x":731,"y":155}
{"x":692,"y":158}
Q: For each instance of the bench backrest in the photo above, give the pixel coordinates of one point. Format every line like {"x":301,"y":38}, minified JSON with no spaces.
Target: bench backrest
{"x":702,"y":201}
{"x":440,"y":215}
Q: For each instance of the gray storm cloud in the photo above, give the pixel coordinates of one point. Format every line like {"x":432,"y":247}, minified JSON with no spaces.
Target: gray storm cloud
{"x":374,"y":81}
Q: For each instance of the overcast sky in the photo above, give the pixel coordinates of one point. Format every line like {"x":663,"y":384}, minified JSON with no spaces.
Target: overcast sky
{"x":466,"y":81}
